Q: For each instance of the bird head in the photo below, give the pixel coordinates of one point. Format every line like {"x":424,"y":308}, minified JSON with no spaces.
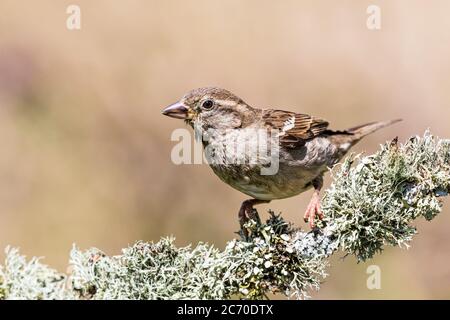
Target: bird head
{"x":211,"y":108}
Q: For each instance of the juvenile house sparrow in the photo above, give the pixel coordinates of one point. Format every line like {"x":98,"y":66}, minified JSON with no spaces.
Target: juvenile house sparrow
{"x":306,"y":147}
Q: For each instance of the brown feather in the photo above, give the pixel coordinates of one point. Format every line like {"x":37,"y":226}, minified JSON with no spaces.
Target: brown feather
{"x":297,"y":132}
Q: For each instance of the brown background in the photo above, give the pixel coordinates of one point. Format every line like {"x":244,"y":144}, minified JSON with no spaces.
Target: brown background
{"x":85,"y":152}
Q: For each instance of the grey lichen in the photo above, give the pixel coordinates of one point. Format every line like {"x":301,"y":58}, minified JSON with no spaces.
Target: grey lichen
{"x":371,"y":203}
{"x":266,"y":262}
{"x":20,"y":279}
{"x":148,"y":271}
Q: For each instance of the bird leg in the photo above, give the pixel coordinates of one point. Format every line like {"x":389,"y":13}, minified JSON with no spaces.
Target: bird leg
{"x":313,"y":208}
{"x":246,"y":212}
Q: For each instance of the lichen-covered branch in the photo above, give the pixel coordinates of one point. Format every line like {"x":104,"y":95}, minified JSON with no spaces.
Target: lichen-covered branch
{"x":371,"y":204}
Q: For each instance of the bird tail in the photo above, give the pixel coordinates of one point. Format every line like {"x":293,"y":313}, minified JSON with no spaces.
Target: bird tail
{"x":346,"y":139}
{"x":361,"y":131}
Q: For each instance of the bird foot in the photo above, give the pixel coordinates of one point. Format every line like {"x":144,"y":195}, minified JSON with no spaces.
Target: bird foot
{"x":313,"y":210}
{"x":247,"y":212}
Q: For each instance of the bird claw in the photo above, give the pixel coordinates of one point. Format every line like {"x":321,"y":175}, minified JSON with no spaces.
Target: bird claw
{"x":313,"y":210}
{"x":247,"y":212}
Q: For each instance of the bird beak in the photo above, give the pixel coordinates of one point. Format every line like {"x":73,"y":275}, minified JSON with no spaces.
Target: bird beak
{"x":176,"y":110}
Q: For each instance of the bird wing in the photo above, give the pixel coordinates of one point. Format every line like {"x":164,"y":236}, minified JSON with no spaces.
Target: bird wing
{"x":295,"y":128}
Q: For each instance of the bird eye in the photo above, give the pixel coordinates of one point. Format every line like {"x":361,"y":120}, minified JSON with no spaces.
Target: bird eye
{"x":207,"y":104}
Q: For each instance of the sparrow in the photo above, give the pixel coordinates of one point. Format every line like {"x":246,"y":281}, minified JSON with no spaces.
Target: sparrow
{"x":306,"y":147}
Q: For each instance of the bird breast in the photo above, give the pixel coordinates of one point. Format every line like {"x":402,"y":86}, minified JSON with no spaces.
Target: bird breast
{"x":238,"y":157}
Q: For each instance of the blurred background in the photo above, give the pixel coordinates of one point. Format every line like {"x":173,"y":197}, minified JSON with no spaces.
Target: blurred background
{"x":85,"y":151}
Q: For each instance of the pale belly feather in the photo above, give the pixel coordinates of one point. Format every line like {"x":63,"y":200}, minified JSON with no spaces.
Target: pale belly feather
{"x":297,"y":169}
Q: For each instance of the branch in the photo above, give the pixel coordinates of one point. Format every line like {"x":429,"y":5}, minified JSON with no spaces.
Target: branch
{"x":370,"y":204}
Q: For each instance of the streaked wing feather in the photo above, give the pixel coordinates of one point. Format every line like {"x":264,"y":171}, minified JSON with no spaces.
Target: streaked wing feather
{"x":296,"y":128}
